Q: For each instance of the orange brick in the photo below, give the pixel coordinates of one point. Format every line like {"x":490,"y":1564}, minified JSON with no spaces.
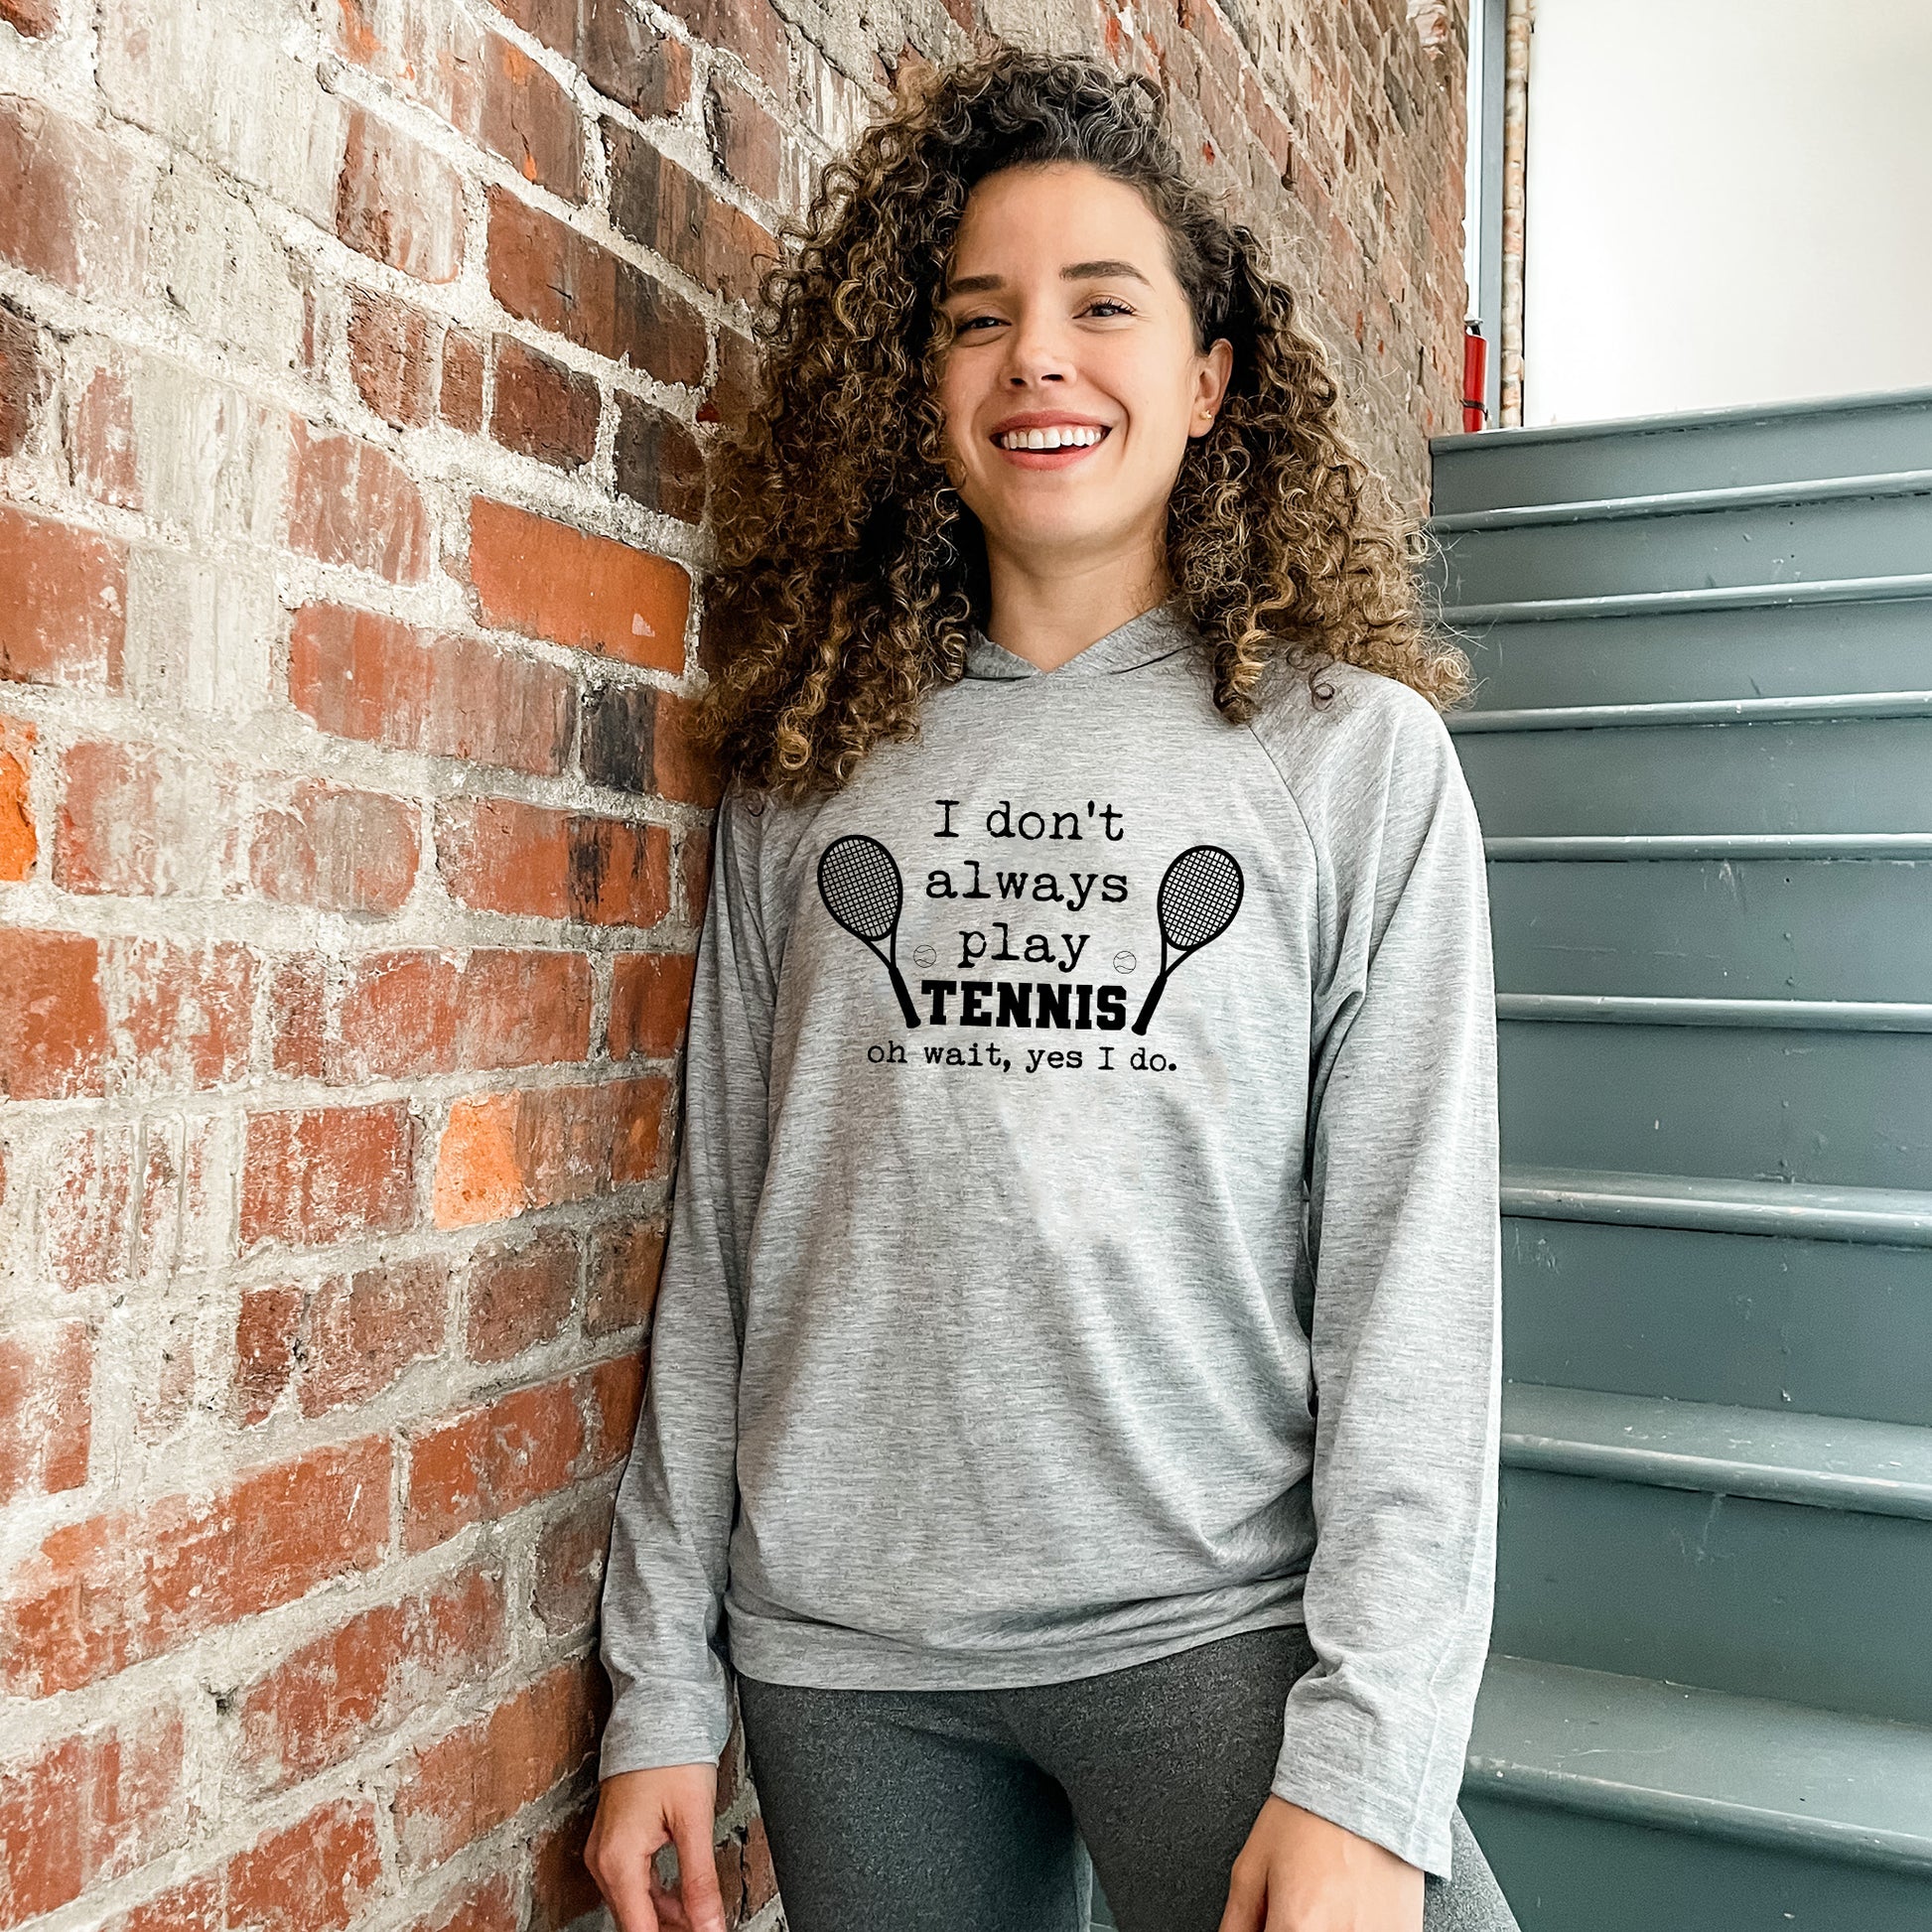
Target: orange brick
{"x":369,"y":677}
{"x":547,"y":580}
{"x":313,"y":1176}
{"x":315,"y":1875}
{"x":505,"y":1154}
{"x":484,"y":1773}
{"x":79,"y":1813}
{"x":53,"y":1024}
{"x":400,"y":202}
{"x":19,"y":845}
{"x":114,"y":1589}
{"x":326,"y":1700}
{"x":63,"y":620}
{"x":392,"y":358}
{"x":486,"y":1463}
{"x":650,"y":1002}
{"x":354,"y":504}
{"x":500,"y":855}
{"x":46,"y":1408}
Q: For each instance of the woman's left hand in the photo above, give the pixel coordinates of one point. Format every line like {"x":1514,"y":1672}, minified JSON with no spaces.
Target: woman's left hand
{"x":1300,"y":1872}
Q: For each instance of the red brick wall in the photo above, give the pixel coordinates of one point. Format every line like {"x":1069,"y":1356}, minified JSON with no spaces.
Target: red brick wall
{"x":356,"y":371}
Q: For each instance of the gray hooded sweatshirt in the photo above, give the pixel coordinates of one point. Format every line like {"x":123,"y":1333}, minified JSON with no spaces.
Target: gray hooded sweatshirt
{"x":1085,"y":1236}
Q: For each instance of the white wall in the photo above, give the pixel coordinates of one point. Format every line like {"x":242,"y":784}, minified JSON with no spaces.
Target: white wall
{"x":1726,"y":202}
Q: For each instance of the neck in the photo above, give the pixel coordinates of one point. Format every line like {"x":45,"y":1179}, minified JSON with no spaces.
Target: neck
{"x":1047,"y":616}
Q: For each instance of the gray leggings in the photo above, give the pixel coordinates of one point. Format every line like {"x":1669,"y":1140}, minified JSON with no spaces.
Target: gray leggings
{"x":991,"y":1811}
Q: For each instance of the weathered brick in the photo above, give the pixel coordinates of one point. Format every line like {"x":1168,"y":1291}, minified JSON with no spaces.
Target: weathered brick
{"x":527,"y":119}
{"x":46,"y":1408}
{"x":486,"y":1463}
{"x":546,"y":272}
{"x":504,"y":1153}
{"x":85,"y":1227}
{"x":183,"y":1013}
{"x":618,"y":720}
{"x":404,"y":1014}
{"x":750,"y":29}
{"x":744,"y":138}
{"x":52,"y":1022}
{"x":144,"y":819}
{"x":19,"y":841}
{"x":548,"y":579}
{"x":520,"y":1293}
{"x":392,"y":358}
{"x":317,"y":1175}
{"x":500,"y":855}
{"x":694,"y":873}
{"x":354,"y":504}
{"x":736,"y":388}
{"x":101,"y":440}
{"x":461,"y":398}
{"x":23,"y":379}
{"x":326,"y":1700}
{"x":369,"y":677}
{"x":336,"y":849}
{"x":613,"y":1393}
{"x":114,"y":1589}
{"x":490,"y":1904}
{"x":562,"y":1889}
{"x":482,"y":1775}
{"x":543,"y":409}
{"x":316,"y":1874}
{"x":659,"y":460}
{"x":342,"y":1343}
{"x":659,"y":205}
{"x":64,"y":616}
{"x":619,"y":52}
{"x":626,"y":1257}
{"x":681,"y":768}
{"x":298,"y":995}
{"x":399,"y":201}
{"x":83,"y":1810}
{"x":76,"y":207}
{"x":569,"y":1569}
{"x":650,"y":1002}
{"x":32,"y":18}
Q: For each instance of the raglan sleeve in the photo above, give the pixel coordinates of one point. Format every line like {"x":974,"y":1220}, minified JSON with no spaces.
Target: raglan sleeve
{"x":663,"y":1588}
{"x":1404,"y":1244}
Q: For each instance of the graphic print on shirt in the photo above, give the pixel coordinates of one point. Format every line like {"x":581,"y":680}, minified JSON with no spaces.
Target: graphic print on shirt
{"x":863,"y":889}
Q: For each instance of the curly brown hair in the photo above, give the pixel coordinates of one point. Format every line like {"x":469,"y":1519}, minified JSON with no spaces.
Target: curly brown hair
{"x":848,"y":572}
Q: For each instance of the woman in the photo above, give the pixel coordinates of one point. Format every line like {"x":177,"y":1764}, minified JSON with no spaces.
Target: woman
{"x":1088,"y":1184}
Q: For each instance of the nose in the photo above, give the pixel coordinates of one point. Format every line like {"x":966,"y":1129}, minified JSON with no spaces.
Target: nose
{"x":1035,"y":352}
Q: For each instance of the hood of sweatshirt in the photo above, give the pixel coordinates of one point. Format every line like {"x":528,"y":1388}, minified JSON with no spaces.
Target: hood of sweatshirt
{"x":1158,"y":633}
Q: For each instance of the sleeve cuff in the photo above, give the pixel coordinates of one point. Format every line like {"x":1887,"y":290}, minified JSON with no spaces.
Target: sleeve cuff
{"x":660,"y":1724}
{"x":1394,"y":1784}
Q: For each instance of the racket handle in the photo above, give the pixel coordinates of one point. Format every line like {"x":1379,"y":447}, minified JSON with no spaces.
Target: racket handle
{"x":1151,"y":1001}
{"x":906,"y":1005}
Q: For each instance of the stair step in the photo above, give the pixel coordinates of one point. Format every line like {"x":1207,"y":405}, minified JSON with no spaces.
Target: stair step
{"x":1658,"y":603}
{"x":1622,"y":847}
{"x":1817,"y":436}
{"x":1685,"y":502}
{"x":1893,"y":1215}
{"x":1673,"y":654}
{"x":1850,"y":1110}
{"x":1809,"y":708}
{"x":1743,"y":928}
{"x":1847,"y":1788}
{"x":1706,"y":1010}
{"x":1827,"y":1461}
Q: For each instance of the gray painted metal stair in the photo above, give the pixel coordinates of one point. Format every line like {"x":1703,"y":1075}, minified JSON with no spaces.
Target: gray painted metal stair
{"x":1701,"y":752}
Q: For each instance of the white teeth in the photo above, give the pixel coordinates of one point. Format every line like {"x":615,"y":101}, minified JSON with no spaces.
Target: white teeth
{"x":1064,"y":437}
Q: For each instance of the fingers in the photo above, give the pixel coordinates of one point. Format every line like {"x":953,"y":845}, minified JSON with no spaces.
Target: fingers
{"x":697,"y":1868}
{"x":1247,"y":1898}
{"x":619,"y":1858}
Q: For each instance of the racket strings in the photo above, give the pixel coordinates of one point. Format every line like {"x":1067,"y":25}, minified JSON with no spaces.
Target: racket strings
{"x":1199,"y":897}
{"x":859,"y":879}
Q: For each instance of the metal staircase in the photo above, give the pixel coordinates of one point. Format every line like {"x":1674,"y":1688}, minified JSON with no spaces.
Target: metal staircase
{"x":1702,"y":751}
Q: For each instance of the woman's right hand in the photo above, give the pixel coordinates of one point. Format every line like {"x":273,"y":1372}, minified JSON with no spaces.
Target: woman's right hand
{"x":638,"y":1814}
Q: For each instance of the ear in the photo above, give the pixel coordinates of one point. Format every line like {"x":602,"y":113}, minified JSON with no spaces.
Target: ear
{"x":1211,"y":386}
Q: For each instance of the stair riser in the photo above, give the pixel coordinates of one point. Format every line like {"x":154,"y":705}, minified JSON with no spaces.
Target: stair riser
{"x":1775,"y":651}
{"x":1570,"y":1871}
{"x":1827,"y":1328}
{"x":1494,"y":471}
{"x":1853,"y":1109}
{"x":1853,"y":774}
{"x":1744,"y":929}
{"x":1734,"y":1593}
{"x":1795,"y":543}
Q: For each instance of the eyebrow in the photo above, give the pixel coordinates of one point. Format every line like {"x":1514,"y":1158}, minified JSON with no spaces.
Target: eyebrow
{"x":1072,"y":272}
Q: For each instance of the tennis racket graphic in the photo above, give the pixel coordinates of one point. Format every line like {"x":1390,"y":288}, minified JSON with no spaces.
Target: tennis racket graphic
{"x":1200,"y":893}
{"x":858,"y":878}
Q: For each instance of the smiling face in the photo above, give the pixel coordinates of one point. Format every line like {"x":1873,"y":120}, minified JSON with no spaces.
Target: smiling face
{"x":1072,"y":384}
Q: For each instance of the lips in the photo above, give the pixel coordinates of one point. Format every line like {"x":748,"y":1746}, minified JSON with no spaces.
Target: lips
{"x":1061,"y":458}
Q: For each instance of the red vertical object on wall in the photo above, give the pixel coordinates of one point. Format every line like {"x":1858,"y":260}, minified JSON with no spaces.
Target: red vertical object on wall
{"x":1476,"y":354}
